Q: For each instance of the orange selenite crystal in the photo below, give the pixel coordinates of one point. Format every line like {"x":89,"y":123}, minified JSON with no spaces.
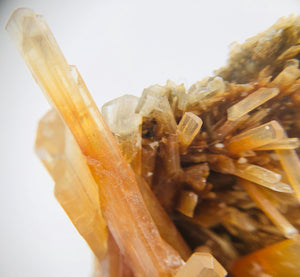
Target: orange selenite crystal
{"x":214,"y":169}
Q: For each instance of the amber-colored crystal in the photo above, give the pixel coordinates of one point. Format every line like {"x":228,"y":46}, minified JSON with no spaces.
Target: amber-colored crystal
{"x":291,"y":164}
{"x":114,"y":263}
{"x":283,"y":144}
{"x":251,"y":102}
{"x":275,"y":216}
{"x":278,"y":260}
{"x":125,"y":124}
{"x":188,"y":128}
{"x":75,"y":188}
{"x":262,"y":135}
{"x":146,"y":252}
{"x":187,"y":203}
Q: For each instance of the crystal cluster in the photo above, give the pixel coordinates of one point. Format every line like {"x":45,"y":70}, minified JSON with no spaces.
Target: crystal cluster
{"x":178,"y":183}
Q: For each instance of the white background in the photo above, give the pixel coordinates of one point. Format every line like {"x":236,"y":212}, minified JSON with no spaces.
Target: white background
{"x":119,"y":47}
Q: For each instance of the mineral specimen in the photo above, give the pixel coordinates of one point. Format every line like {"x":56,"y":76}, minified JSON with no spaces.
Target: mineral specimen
{"x":214,"y":170}
{"x":123,"y":208}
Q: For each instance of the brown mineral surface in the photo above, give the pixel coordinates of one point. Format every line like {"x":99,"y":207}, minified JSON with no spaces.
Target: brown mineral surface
{"x":178,"y":182}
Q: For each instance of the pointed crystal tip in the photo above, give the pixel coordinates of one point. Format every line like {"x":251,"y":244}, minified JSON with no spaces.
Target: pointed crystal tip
{"x":202,"y":264}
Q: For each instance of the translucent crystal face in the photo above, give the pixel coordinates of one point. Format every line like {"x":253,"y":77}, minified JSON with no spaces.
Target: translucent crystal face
{"x":75,"y":188}
{"x":119,"y":114}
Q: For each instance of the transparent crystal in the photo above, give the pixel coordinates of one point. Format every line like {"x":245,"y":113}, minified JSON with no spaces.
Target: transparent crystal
{"x":126,"y":125}
{"x":159,"y":108}
{"x":120,"y":116}
{"x":261,"y":176}
{"x":269,"y":209}
{"x":291,"y":164}
{"x":256,"y":137}
{"x":251,"y":102}
{"x":188,"y":127}
{"x":282,"y":144}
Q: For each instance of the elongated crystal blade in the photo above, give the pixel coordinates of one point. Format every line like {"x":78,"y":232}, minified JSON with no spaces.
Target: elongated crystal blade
{"x":256,"y":118}
{"x":291,"y":164}
{"x":262,"y":173}
{"x":262,"y":176}
{"x":114,"y":264}
{"x":269,"y":209}
{"x":253,"y":138}
{"x":75,"y":188}
{"x":163,"y":222}
{"x":254,"y":173}
{"x":289,"y":75}
{"x":282,"y":144}
{"x":126,"y":125}
{"x":146,"y":251}
{"x":251,"y":102}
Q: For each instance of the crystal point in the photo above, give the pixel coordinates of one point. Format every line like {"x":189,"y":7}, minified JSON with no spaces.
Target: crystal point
{"x":146,"y":251}
{"x":202,"y":265}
